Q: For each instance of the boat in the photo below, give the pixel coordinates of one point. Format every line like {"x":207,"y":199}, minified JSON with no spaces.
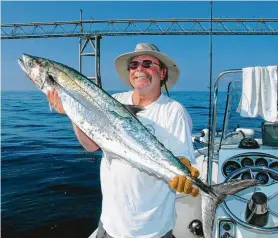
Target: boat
{"x":244,"y":148}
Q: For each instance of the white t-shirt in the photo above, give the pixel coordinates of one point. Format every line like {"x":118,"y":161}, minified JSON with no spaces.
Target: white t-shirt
{"x":136,"y":204}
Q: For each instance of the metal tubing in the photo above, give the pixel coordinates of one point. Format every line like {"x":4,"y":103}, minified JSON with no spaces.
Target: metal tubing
{"x":95,"y":53}
{"x":144,"y":20}
{"x":91,"y":28}
{"x":80,"y":48}
{"x":214,"y":112}
{"x":79,"y":56}
{"x":88,"y":54}
{"x":97,"y":61}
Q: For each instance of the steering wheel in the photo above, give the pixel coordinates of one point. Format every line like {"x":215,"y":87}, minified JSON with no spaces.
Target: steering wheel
{"x":238,"y":220}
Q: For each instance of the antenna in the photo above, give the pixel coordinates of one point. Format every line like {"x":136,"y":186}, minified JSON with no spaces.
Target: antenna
{"x":209,"y":162}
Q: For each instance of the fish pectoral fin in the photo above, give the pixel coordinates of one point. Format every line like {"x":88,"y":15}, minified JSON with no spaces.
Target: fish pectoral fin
{"x":50,"y":78}
{"x":133,"y":109}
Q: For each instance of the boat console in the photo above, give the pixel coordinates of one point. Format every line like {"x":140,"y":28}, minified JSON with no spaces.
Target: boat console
{"x":236,"y":211}
{"x":248,"y":150}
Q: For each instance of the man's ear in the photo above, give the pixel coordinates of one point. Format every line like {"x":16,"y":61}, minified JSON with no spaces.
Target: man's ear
{"x":163,"y":73}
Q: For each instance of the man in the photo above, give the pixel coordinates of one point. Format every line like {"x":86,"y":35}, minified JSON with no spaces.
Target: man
{"x":135,"y":203}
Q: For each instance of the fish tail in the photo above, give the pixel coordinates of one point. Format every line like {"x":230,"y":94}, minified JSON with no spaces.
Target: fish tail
{"x":216,"y":194}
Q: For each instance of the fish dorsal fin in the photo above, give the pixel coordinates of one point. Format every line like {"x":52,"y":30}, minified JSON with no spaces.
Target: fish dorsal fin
{"x":133,"y":109}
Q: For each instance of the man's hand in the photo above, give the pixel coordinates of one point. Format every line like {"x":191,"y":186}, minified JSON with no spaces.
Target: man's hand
{"x":55,"y":101}
{"x":182,"y":183}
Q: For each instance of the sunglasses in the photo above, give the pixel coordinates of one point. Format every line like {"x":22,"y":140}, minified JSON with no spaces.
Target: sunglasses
{"x":145,"y":63}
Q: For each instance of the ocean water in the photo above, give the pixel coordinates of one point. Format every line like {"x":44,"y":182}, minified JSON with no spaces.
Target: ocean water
{"x":50,"y":184}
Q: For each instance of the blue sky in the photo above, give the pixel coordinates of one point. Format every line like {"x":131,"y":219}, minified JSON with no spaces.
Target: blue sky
{"x":190,"y":52}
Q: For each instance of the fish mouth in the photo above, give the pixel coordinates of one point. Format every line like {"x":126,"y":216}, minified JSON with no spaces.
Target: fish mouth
{"x":24,"y":63}
{"x":22,"y":66}
{"x":27,"y":58}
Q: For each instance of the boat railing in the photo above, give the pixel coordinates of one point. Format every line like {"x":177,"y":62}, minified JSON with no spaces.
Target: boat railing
{"x":214,"y":119}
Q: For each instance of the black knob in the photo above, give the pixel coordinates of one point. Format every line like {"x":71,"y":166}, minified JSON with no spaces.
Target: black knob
{"x":226,"y":227}
{"x":226,"y":235}
{"x":196,"y":228}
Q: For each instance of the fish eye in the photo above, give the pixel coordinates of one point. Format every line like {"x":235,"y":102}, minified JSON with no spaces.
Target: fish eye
{"x":30,"y":63}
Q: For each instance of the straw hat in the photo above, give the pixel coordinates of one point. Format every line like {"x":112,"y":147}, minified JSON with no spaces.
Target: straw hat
{"x":121,"y":63}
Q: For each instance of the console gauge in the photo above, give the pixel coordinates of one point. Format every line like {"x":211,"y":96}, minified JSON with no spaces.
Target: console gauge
{"x":262,"y":177}
{"x":247,"y":162}
{"x":274,"y":166}
{"x":230,"y":167}
{"x":246,"y":175}
{"x":261,"y":162}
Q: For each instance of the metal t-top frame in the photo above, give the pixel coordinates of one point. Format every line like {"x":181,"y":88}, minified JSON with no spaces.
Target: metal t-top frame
{"x":91,"y":31}
{"x":120,"y":27}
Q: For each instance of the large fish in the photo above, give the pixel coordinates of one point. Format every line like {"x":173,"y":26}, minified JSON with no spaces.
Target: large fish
{"x":115,"y":128}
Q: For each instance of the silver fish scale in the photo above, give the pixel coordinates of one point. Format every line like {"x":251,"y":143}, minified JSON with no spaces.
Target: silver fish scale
{"x":91,"y":123}
{"x":115,"y":110}
{"x":144,"y":143}
{"x":104,"y":139}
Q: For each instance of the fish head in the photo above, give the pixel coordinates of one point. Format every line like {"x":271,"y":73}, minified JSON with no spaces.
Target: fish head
{"x":38,"y":70}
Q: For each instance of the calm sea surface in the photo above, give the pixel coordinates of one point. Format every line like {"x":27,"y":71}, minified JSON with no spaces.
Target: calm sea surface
{"x":50,"y":184}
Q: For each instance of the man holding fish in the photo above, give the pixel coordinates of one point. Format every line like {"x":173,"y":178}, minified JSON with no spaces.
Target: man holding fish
{"x":135,"y":203}
{"x":142,"y":134}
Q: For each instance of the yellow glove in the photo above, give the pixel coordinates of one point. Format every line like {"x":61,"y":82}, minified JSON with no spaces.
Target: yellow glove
{"x":182,"y":183}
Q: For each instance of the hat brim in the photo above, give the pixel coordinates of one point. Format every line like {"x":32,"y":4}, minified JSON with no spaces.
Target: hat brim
{"x":122,"y":61}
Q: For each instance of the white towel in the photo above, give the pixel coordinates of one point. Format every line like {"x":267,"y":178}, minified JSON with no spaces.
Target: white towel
{"x":259,"y":93}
